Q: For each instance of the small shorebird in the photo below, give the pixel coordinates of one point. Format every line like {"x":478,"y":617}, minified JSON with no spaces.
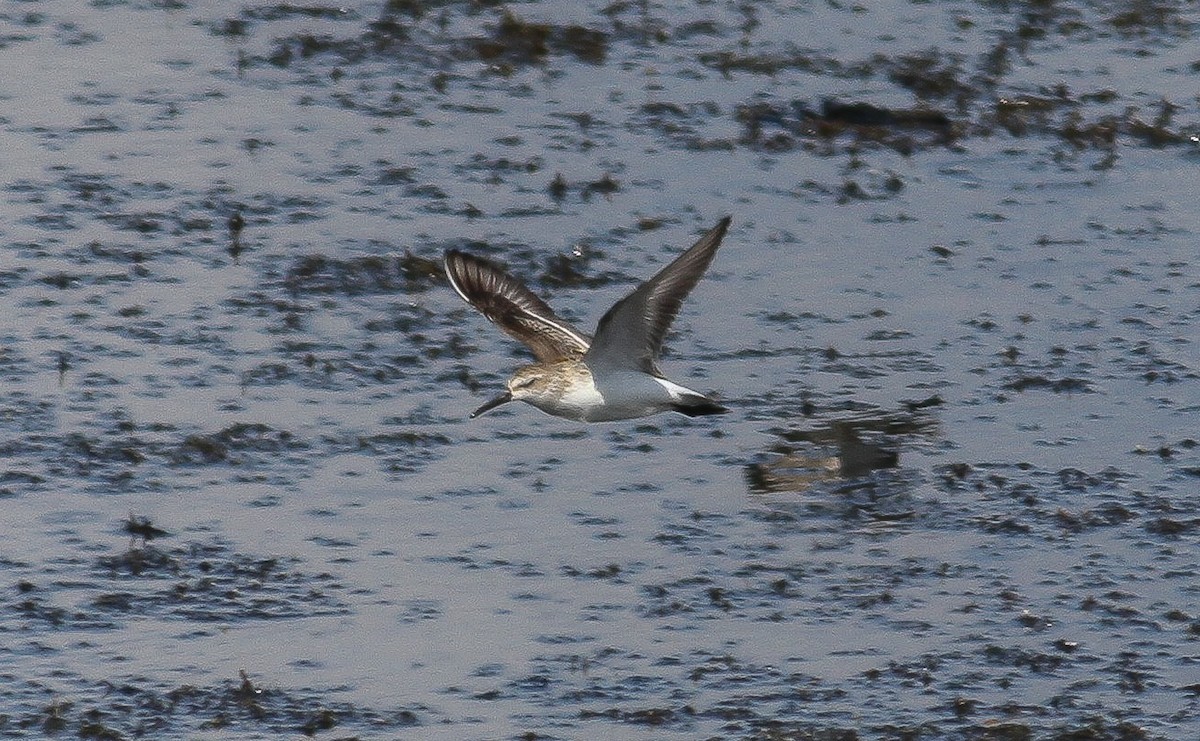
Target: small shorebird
{"x":613,"y":376}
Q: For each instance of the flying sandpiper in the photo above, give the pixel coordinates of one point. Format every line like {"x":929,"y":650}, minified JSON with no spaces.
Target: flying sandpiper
{"x":612,"y":376}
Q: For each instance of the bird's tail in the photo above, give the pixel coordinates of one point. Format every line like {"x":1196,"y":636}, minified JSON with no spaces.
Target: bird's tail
{"x":699,"y":406}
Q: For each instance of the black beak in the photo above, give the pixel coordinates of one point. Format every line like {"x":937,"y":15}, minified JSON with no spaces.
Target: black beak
{"x":501,"y":399}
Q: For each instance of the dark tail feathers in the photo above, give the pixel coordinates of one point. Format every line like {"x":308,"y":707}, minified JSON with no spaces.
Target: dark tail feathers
{"x":700,"y":407}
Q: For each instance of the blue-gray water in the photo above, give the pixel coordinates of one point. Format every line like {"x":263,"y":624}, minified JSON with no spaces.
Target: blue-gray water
{"x":1005,"y":299}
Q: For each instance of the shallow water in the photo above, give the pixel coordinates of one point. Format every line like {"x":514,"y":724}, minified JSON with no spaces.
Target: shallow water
{"x":956,"y":495}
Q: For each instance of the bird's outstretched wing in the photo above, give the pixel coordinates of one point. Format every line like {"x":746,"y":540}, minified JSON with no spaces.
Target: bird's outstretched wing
{"x":514,"y":308}
{"x":630,"y":335}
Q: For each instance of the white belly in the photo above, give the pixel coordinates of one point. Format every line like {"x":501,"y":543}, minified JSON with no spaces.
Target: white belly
{"x":624,"y":395}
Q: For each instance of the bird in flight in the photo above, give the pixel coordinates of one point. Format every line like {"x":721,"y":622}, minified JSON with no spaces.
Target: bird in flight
{"x":611,"y":376}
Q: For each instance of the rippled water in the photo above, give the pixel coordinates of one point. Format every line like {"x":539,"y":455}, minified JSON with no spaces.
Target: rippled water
{"x":954,"y":318}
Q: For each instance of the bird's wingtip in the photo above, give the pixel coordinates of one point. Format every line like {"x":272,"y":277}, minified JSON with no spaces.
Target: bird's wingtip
{"x":721,"y":227}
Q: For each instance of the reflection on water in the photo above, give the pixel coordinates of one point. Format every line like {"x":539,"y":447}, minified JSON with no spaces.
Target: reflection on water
{"x":828,"y":467}
{"x":835,"y":449}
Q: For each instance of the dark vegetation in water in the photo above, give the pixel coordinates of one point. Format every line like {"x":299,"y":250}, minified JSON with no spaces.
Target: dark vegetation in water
{"x":139,"y":709}
{"x":959,"y":96}
{"x":516,"y":41}
{"x":202,"y":582}
{"x":511,"y":41}
{"x":319,"y":274}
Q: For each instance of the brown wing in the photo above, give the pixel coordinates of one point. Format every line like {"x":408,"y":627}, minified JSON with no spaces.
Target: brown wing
{"x":514,"y":308}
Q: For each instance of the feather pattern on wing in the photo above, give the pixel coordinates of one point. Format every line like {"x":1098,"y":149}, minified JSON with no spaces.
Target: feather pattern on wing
{"x":514,"y":308}
{"x":631,"y":333}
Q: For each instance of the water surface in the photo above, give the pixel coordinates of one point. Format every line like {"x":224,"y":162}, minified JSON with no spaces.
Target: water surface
{"x":954,"y":319}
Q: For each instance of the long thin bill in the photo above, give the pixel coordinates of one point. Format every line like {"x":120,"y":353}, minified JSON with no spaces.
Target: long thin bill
{"x":501,"y":399}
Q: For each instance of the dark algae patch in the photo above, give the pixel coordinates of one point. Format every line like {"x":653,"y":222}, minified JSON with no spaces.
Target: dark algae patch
{"x":137,"y":708}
